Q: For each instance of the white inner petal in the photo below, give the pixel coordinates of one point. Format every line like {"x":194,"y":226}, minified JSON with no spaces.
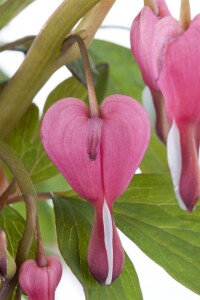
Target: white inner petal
{"x":108,"y":239}
{"x":175,"y":160}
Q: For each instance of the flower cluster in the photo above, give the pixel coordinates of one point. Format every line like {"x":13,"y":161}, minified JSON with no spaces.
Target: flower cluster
{"x":168,"y":53}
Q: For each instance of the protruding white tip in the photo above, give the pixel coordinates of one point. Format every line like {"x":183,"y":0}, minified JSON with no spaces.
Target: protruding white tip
{"x":175,"y":160}
{"x":108,"y":239}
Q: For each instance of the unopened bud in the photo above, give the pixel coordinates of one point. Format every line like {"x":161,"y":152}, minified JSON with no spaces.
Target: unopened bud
{"x":7,"y":263}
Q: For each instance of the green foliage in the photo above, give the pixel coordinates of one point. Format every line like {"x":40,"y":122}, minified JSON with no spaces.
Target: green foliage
{"x":25,"y":141}
{"x":121,"y":66}
{"x":73,"y":224}
{"x":13,"y":224}
{"x":68,"y":88}
{"x":148,"y":213}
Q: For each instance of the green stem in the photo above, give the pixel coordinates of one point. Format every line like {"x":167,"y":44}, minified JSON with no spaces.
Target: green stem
{"x":185,"y":14}
{"x":29,"y":194}
{"x":94,"y":108}
{"x":38,"y":64}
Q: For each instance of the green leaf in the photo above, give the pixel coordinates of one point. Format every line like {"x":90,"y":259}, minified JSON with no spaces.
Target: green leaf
{"x":22,"y":44}
{"x":25,"y":141}
{"x":124,"y":73}
{"x":149,"y":215}
{"x":13,"y":225}
{"x":68,"y":88}
{"x":74,"y":224}
{"x":155,"y":159}
{"x":55,"y":184}
{"x":10,"y":8}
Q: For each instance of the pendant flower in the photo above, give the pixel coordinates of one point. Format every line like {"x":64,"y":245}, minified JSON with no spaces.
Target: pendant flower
{"x":40,"y":282}
{"x":141,"y":36}
{"x":98,"y":156}
{"x":178,"y":79}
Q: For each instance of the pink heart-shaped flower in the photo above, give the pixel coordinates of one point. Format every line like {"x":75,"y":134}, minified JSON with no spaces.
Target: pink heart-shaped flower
{"x":98,"y":156}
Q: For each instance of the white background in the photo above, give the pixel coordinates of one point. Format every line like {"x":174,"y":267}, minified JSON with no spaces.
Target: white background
{"x":156,"y":284}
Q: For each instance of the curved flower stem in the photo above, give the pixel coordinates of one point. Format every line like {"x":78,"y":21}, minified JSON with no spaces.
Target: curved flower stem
{"x":19,"y":198}
{"x":185,"y":14}
{"x":29,"y":194}
{"x":94,"y":108}
{"x":40,"y":253}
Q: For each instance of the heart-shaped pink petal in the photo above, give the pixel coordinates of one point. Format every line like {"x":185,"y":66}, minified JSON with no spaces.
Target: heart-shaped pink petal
{"x":98,"y":156}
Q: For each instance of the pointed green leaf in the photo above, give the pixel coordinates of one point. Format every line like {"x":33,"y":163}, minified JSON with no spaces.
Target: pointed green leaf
{"x":149,"y":215}
{"x":73,"y":225}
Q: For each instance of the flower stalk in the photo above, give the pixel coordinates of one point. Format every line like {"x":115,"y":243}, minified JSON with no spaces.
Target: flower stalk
{"x":185,"y":14}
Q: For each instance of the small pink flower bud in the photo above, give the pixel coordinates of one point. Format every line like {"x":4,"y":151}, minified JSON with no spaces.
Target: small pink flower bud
{"x":7,"y":263}
{"x":40,"y":282}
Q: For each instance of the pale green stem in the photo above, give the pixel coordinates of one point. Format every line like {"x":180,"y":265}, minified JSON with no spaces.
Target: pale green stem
{"x":37,"y":67}
{"x":185,"y":14}
{"x":88,"y":26}
{"x":40,"y":253}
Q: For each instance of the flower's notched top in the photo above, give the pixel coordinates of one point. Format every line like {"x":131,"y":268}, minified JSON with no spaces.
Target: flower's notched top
{"x":98,"y":156}
{"x":40,"y":282}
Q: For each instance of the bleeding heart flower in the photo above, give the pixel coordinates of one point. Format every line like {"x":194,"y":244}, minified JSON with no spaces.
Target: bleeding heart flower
{"x":40,"y":282}
{"x":178,"y":79}
{"x":141,"y":37}
{"x":98,"y":156}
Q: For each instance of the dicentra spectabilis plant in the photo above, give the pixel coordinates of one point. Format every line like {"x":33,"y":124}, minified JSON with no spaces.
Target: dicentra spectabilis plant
{"x":72,"y":163}
{"x":98,"y":151}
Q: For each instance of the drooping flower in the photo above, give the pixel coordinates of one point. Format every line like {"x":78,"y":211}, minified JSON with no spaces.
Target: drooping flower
{"x":98,"y":156}
{"x":178,"y":78}
{"x":40,"y":282}
{"x":141,"y":38}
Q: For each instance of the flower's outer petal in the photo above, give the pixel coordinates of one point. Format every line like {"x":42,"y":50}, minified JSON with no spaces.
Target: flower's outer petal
{"x":54,"y":269}
{"x":166,"y":30}
{"x":64,"y":134}
{"x":40,"y":282}
{"x":125,"y":137}
{"x":140,"y":37}
{"x":183,"y":158}
{"x":105,"y":252}
{"x":180,"y":74}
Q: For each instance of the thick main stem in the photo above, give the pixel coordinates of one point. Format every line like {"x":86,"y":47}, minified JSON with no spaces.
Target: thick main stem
{"x":94,"y":108}
{"x":185,"y":14}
